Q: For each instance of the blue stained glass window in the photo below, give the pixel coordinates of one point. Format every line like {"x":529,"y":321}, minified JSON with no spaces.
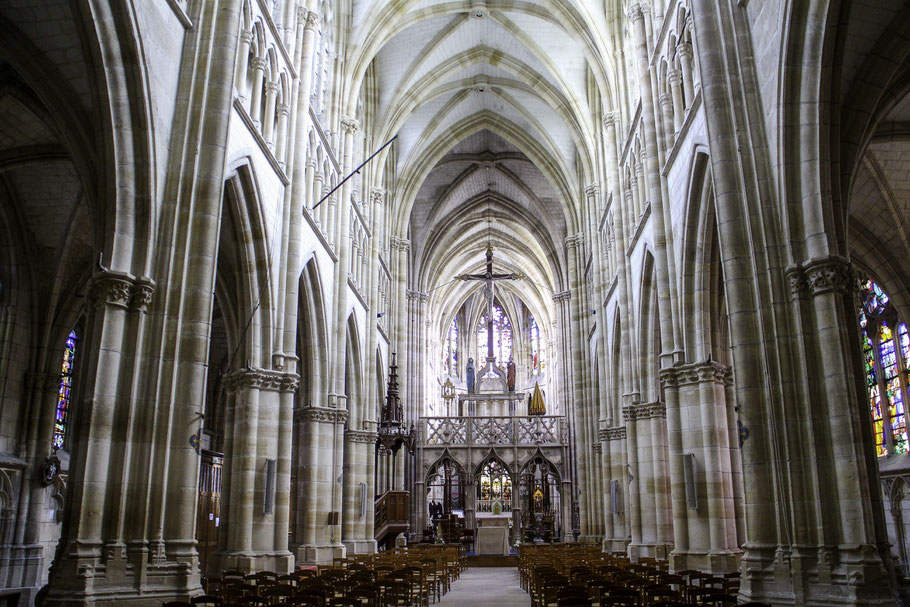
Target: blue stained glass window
{"x":64,"y":393}
{"x":884,"y":374}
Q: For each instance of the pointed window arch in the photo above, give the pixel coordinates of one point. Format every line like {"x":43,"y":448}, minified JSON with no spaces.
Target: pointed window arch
{"x":450,"y":355}
{"x":494,"y":486}
{"x":537,"y":360}
{"x":502,"y":335}
{"x":64,"y":392}
{"x":886,"y":359}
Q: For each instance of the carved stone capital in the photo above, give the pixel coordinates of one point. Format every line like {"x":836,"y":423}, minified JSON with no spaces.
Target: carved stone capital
{"x":575,"y":240}
{"x":272,"y":88}
{"x":796,"y":281}
{"x":610,"y":434}
{"x":402,"y":244}
{"x":323,"y":415}
{"x":644,"y":411}
{"x":820,"y":276}
{"x":310,"y":17}
{"x":246,"y":36}
{"x":562,"y":296}
{"x":635,"y":12}
{"x":258,"y":63}
{"x":142,"y":293}
{"x":418,"y":296}
{"x":695,"y":373}
{"x":350,"y":125}
{"x":592,"y":190}
{"x":361,"y":436}
{"x":832,"y":274}
{"x":377,"y":196}
{"x":665,"y":100}
{"x":109,"y":288}
{"x":611,"y":119}
{"x":674,"y":76}
{"x":261,"y":379}
{"x":684,"y":49}
{"x":597,"y":448}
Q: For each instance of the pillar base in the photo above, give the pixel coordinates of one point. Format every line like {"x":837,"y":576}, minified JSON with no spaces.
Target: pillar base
{"x":146,"y":575}
{"x":815,"y":577}
{"x":361,"y":546}
{"x":250,"y":562}
{"x":649,"y":551}
{"x":320,"y":555}
{"x":615,"y":545}
{"x":589,"y":539}
{"x":709,"y":562}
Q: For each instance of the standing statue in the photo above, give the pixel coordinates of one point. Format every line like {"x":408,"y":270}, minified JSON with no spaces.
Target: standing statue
{"x":510,"y":374}
{"x":469,"y":375}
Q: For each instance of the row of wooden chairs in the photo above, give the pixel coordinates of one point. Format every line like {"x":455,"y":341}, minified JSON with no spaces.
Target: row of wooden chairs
{"x":412,"y":577}
{"x":584,"y":576}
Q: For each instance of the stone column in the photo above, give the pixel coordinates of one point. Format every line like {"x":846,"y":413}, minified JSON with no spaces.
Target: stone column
{"x":284,"y":111}
{"x":567,"y":396}
{"x":258,"y":64}
{"x":650,"y":506}
{"x":684,"y":50}
{"x":243,"y":60}
{"x":666,"y":108}
{"x":675,"y":79}
{"x":268,"y":121}
{"x":358,"y":452}
{"x":320,"y":496}
{"x":617,"y":537}
{"x":256,"y":523}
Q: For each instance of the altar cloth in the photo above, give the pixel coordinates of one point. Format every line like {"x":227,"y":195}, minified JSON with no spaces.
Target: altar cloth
{"x":492,"y":541}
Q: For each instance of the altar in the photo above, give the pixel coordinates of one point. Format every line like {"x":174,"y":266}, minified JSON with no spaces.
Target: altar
{"x":492,"y":534}
{"x":493,"y":540}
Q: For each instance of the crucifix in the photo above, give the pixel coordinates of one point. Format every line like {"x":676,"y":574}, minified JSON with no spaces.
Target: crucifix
{"x":489,"y":279}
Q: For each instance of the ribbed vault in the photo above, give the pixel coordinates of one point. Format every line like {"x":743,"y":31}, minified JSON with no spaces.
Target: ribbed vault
{"x":496,"y":105}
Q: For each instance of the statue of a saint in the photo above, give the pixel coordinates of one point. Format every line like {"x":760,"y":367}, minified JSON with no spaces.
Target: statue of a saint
{"x":469,"y":375}
{"x":510,"y":374}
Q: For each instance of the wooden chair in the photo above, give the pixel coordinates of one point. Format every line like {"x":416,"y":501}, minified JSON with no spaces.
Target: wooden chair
{"x":207,"y":599}
{"x":177,"y":604}
{"x":619,"y":601}
{"x":720,"y":600}
{"x":660,"y":592}
{"x":367,"y":594}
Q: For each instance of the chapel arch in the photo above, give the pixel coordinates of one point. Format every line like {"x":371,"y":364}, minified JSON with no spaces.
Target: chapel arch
{"x":706,"y":465}
{"x":540,"y":499}
{"x":311,"y":394}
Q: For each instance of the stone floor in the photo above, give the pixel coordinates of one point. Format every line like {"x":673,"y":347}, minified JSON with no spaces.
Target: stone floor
{"x":481,"y":586}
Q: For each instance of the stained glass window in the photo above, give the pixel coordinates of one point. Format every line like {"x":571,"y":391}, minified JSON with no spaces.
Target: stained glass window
{"x":502,"y":335}
{"x":64,"y":393}
{"x":450,"y":355}
{"x":537,"y":363}
{"x":886,"y":361}
{"x":495,"y":486}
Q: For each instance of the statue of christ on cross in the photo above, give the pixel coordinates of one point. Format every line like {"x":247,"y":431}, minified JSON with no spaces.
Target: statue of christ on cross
{"x":490,"y":278}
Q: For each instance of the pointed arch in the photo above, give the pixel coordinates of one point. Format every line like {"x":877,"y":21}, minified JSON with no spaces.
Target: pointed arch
{"x":312,"y":335}
{"x":649,"y":339}
{"x":353,"y":376}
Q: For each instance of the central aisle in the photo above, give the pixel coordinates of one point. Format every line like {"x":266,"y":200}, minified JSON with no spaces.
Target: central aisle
{"x":486,"y":586}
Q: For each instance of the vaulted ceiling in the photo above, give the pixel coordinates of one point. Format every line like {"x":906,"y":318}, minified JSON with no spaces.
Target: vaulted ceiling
{"x":496,"y":105}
